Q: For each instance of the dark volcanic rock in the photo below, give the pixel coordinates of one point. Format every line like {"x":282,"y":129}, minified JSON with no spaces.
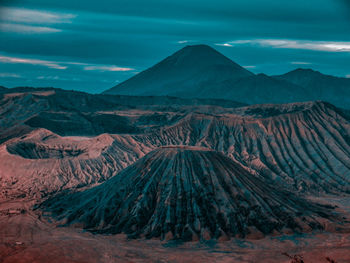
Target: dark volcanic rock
{"x":186,"y":193}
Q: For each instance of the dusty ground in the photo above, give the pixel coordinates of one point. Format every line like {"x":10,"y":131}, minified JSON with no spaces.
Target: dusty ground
{"x":25,"y":237}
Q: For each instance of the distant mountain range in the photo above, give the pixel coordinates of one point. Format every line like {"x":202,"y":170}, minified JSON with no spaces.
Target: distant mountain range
{"x":200,"y":71}
{"x":320,"y":86}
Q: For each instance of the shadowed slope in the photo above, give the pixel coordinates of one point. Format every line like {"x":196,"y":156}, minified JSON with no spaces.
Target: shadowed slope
{"x":83,"y":114}
{"x":254,"y":89}
{"x":335,"y":90}
{"x":3,"y":89}
{"x":186,"y":193}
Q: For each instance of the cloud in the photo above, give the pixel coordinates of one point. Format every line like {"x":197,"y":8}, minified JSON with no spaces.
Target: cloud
{"x":240,"y":42}
{"x":300,"y":63}
{"x":18,"y":28}
{"x":48,"y":77}
{"x":249,"y":67}
{"x":223,"y":45}
{"x":21,"y":20}
{"x":61,"y":64}
{"x":186,"y":41}
{"x":57,"y":78}
{"x":31,"y":16}
{"x":46,"y":63}
{"x":9,"y":75}
{"x":329,"y":46}
{"x":107,"y":68}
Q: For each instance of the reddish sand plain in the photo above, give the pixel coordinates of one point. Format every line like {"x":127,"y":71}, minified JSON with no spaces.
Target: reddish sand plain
{"x":25,"y":236}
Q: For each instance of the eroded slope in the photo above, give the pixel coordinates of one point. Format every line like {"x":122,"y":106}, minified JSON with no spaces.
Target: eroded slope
{"x":187,"y":193}
{"x":305,"y":146}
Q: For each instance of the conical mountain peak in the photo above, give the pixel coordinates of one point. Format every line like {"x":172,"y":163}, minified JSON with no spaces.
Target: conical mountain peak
{"x":199,"y":47}
{"x":183,"y":74}
{"x":201,"y":56}
{"x":186,"y":193}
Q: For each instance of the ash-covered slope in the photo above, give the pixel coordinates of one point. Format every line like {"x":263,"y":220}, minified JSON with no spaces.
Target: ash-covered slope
{"x":302,"y":146}
{"x":42,"y":162}
{"x":335,"y":90}
{"x":186,"y":193}
{"x":305,"y":146}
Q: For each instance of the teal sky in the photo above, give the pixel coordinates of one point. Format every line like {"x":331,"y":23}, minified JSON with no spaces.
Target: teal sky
{"x":93,"y":45}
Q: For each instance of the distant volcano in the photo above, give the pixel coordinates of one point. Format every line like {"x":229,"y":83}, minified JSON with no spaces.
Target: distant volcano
{"x":199,"y":71}
{"x":183,"y":74}
{"x":186,"y":193}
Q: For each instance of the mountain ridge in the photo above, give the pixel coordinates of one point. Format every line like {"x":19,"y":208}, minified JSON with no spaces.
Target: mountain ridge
{"x":206,"y":73}
{"x":296,"y":145}
{"x":335,"y":90}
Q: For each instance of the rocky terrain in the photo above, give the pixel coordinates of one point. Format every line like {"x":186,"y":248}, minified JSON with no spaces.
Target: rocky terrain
{"x":187,"y":193}
{"x":42,"y":162}
{"x":37,"y":156}
{"x":208,"y":178}
{"x":303,"y":147}
{"x":78,"y":113}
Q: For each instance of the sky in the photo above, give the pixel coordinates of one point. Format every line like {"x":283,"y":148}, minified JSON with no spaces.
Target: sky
{"x":93,"y":45}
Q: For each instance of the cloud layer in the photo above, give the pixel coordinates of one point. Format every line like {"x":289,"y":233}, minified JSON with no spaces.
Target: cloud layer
{"x":90,"y":46}
{"x":328,"y":46}
{"x":60,"y":65}
{"x":32,"y":16}
{"x":22,"y":20}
